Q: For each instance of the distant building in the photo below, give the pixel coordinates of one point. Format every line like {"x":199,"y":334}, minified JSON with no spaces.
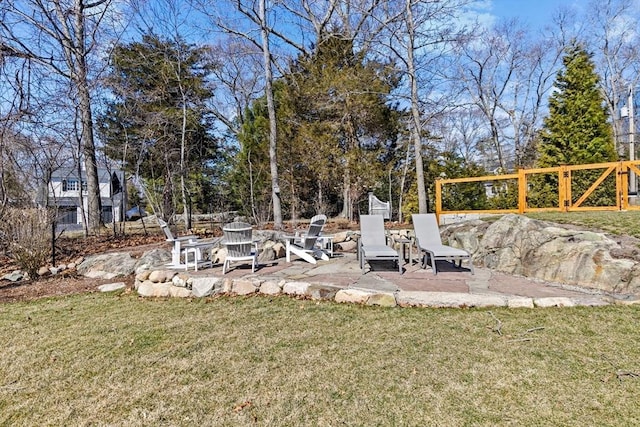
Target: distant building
{"x":64,"y":192}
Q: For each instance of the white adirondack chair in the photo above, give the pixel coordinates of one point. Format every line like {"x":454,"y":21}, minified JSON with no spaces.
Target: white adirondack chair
{"x":187,"y":250}
{"x":240,"y":245}
{"x":306,"y":245}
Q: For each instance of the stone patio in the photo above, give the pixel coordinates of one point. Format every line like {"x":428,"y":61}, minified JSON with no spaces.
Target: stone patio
{"x":341,"y":279}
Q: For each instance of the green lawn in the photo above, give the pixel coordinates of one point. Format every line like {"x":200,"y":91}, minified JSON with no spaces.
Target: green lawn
{"x":98,"y":359}
{"x":615,"y":222}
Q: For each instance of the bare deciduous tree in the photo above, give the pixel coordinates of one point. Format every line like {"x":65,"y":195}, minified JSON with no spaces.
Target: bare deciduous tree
{"x":256,"y":16}
{"x":507,"y":76}
{"x":236,"y":76}
{"x":60,"y":35}
{"x":420,"y":33}
{"x":613,"y":36}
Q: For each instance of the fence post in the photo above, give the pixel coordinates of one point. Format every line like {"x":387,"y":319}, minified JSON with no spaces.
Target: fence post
{"x":564,"y":188}
{"x":438,"y":185}
{"x":622,"y":185}
{"x":522,"y":191}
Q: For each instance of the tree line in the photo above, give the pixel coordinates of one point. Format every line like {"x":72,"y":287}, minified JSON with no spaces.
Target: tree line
{"x":281,"y":110}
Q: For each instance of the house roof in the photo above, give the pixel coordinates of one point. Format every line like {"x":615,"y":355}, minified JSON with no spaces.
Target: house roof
{"x":74,"y":201}
{"x":104,"y":175}
{"x":66,"y":201}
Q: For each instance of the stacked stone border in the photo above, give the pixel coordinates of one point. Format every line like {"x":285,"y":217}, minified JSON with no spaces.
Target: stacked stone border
{"x":168,"y":283}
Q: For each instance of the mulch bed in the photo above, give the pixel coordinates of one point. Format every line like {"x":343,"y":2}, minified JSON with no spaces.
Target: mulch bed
{"x":68,"y":250}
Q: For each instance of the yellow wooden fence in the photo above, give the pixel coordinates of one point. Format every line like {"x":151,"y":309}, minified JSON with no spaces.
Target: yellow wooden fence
{"x":621,"y":169}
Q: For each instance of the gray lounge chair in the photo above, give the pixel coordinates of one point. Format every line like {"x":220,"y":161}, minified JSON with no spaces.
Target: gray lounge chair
{"x":372,"y":245}
{"x":238,"y":239}
{"x":306,"y":246}
{"x":428,"y":241}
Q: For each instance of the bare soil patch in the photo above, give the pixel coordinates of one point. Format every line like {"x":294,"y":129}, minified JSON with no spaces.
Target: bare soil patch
{"x":68,"y":250}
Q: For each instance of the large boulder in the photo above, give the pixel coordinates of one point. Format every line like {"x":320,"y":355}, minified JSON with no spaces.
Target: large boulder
{"x":523,"y":246}
{"x":107,"y":266}
{"x":466,"y":234}
{"x":153,"y":258}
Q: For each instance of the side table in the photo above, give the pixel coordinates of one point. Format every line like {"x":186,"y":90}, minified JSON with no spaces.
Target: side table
{"x":326,"y":244}
{"x":405,"y":243}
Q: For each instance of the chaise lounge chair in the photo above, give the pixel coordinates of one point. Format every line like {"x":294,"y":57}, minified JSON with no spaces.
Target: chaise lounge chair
{"x":306,"y":246}
{"x":428,"y":241}
{"x":238,"y":239}
{"x":372,"y":245}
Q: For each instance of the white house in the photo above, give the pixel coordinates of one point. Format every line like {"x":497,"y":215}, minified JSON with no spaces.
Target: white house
{"x":64,"y":192}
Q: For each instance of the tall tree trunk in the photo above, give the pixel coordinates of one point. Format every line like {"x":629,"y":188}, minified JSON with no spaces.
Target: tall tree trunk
{"x":495,"y":139}
{"x":89,"y":148}
{"x":83,"y":211}
{"x":405,"y":170}
{"x":273,"y":127}
{"x":183,"y":163}
{"x":347,"y":195}
{"x":89,"y":152}
{"x":167,"y":194}
{"x":415,"y":110}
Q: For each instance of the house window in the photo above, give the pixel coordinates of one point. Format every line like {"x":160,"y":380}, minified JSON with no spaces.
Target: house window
{"x":73,"y":185}
{"x":70,"y":185}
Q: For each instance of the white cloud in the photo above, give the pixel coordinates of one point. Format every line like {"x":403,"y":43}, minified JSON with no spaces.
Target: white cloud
{"x":479,"y":12}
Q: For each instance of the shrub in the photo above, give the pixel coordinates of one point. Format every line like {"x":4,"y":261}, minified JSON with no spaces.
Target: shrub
{"x":27,"y":235}
{"x":505,"y":195}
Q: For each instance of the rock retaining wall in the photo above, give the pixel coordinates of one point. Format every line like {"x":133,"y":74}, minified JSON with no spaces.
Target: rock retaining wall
{"x":168,"y":283}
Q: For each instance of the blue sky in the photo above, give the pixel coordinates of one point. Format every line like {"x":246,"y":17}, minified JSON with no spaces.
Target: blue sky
{"x":533,"y":12}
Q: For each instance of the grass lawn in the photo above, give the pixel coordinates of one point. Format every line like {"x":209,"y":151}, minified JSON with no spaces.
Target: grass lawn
{"x":615,"y":222}
{"x":97,"y":359}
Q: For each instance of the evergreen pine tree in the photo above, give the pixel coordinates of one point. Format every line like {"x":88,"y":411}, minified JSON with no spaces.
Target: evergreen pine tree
{"x":154,"y":84}
{"x":576,"y":131}
{"x":339,"y":101}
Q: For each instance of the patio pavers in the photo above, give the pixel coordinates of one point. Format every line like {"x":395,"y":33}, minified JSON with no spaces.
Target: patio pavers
{"x":343,"y":271}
